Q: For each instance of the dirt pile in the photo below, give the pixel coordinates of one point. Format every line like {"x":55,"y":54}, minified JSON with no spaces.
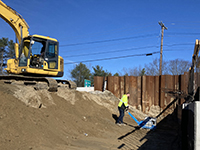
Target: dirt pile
{"x":68,"y":119}
{"x":33,"y":119}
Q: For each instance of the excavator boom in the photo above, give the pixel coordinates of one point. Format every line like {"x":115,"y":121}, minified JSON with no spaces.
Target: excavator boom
{"x":15,"y":20}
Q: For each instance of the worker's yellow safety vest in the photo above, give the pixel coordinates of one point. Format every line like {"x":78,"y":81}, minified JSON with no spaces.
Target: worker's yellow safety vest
{"x":124,"y":100}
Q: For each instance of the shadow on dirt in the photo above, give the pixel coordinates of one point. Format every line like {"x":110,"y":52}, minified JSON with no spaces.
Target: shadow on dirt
{"x":115,"y":117}
{"x":167,"y":135}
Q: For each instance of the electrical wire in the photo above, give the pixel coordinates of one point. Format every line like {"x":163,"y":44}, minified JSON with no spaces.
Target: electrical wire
{"x":119,"y":57}
{"x":176,"y":50}
{"x":128,"y":49}
{"x":114,"y":51}
{"x":177,"y":44}
{"x":99,"y":46}
{"x":115,"y":30}
{"x":178,"y":33}
{"x":110,"y":40}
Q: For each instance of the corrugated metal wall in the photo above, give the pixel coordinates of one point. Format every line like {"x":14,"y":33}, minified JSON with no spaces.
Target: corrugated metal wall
{"x":146,"y":91}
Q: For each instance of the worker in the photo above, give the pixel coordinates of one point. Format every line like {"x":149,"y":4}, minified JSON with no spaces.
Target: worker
{"x":123,"y":104}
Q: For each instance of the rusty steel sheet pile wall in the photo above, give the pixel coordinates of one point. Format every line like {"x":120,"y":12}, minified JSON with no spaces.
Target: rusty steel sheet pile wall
{"x":146,"y":91}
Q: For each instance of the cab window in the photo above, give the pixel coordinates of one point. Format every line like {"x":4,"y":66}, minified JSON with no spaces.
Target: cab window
{"x":52,"y":50}
{"x":24,"y":53}
{"x":37,"y":47}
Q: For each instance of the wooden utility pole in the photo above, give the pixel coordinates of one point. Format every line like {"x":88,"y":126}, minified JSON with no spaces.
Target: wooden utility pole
{"x":161,"y":45}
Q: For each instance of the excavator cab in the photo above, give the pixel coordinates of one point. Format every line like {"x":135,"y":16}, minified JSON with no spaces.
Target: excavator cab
{"x":38,"y":56}
{"x":41,"y":53}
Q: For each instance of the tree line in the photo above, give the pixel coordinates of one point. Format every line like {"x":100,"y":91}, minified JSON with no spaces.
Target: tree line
{"x":6,"y":52}
{"x":172,"y":67}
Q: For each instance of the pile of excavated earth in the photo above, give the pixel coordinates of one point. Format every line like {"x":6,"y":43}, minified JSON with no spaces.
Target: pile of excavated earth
{"x":69,"y":119}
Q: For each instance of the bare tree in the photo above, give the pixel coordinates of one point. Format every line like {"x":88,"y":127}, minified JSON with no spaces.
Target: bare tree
{"x":152,"y":68}
{"x":178,"y":66}
{"x":172,"y":67}
{"x":136,"y":71}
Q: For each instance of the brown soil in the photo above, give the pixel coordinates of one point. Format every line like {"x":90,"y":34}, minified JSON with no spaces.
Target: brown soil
{"x":69,"y":119}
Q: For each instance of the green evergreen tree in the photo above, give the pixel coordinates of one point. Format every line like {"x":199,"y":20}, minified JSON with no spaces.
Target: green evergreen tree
{"x":142,"y":72}
{"x":3,"y":44}
{"x":10,"y":53}
{"x":79,"y":73}
{"x":116,"y":74}
{"x":98,"y":71}
{"x":6,"y":52}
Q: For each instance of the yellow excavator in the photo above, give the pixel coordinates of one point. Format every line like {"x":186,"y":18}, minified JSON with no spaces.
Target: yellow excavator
{"x":36,"y":57}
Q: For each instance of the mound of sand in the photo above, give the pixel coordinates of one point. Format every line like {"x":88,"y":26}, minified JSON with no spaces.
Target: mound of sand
{"x":67,"y":119}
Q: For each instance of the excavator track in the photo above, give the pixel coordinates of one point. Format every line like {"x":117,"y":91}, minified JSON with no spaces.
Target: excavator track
{"x":38,"y":82}
{"x":71,"y":84}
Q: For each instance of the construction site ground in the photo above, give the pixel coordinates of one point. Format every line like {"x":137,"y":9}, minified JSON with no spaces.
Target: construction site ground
{"x":68,"y":119}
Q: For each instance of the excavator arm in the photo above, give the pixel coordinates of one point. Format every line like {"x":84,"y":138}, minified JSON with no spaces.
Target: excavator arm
{"x":15,"y":20}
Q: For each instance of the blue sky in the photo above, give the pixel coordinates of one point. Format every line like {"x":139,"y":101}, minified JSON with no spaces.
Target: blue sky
{"x":105,"y":29}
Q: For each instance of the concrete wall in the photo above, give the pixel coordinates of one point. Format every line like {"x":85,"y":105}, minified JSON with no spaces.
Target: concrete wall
{"x":191,"y":126}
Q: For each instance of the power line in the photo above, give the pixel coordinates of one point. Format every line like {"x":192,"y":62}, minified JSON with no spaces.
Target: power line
{"x":116,"y":30}
{"x":171,"y":45}
{"x":187,"y":22}
{"x":128,"y":49}
{"x":177,"y":50}
{"x":178,"y":33}
{"x":110,"y":40}
{"x":114,"y":51}
{"x":141,"y":26}
{"x":119,"y":57}
{"x":82,"y":48}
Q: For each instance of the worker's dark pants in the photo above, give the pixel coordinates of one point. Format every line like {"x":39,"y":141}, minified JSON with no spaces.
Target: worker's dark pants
{"x":121,"y":116}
